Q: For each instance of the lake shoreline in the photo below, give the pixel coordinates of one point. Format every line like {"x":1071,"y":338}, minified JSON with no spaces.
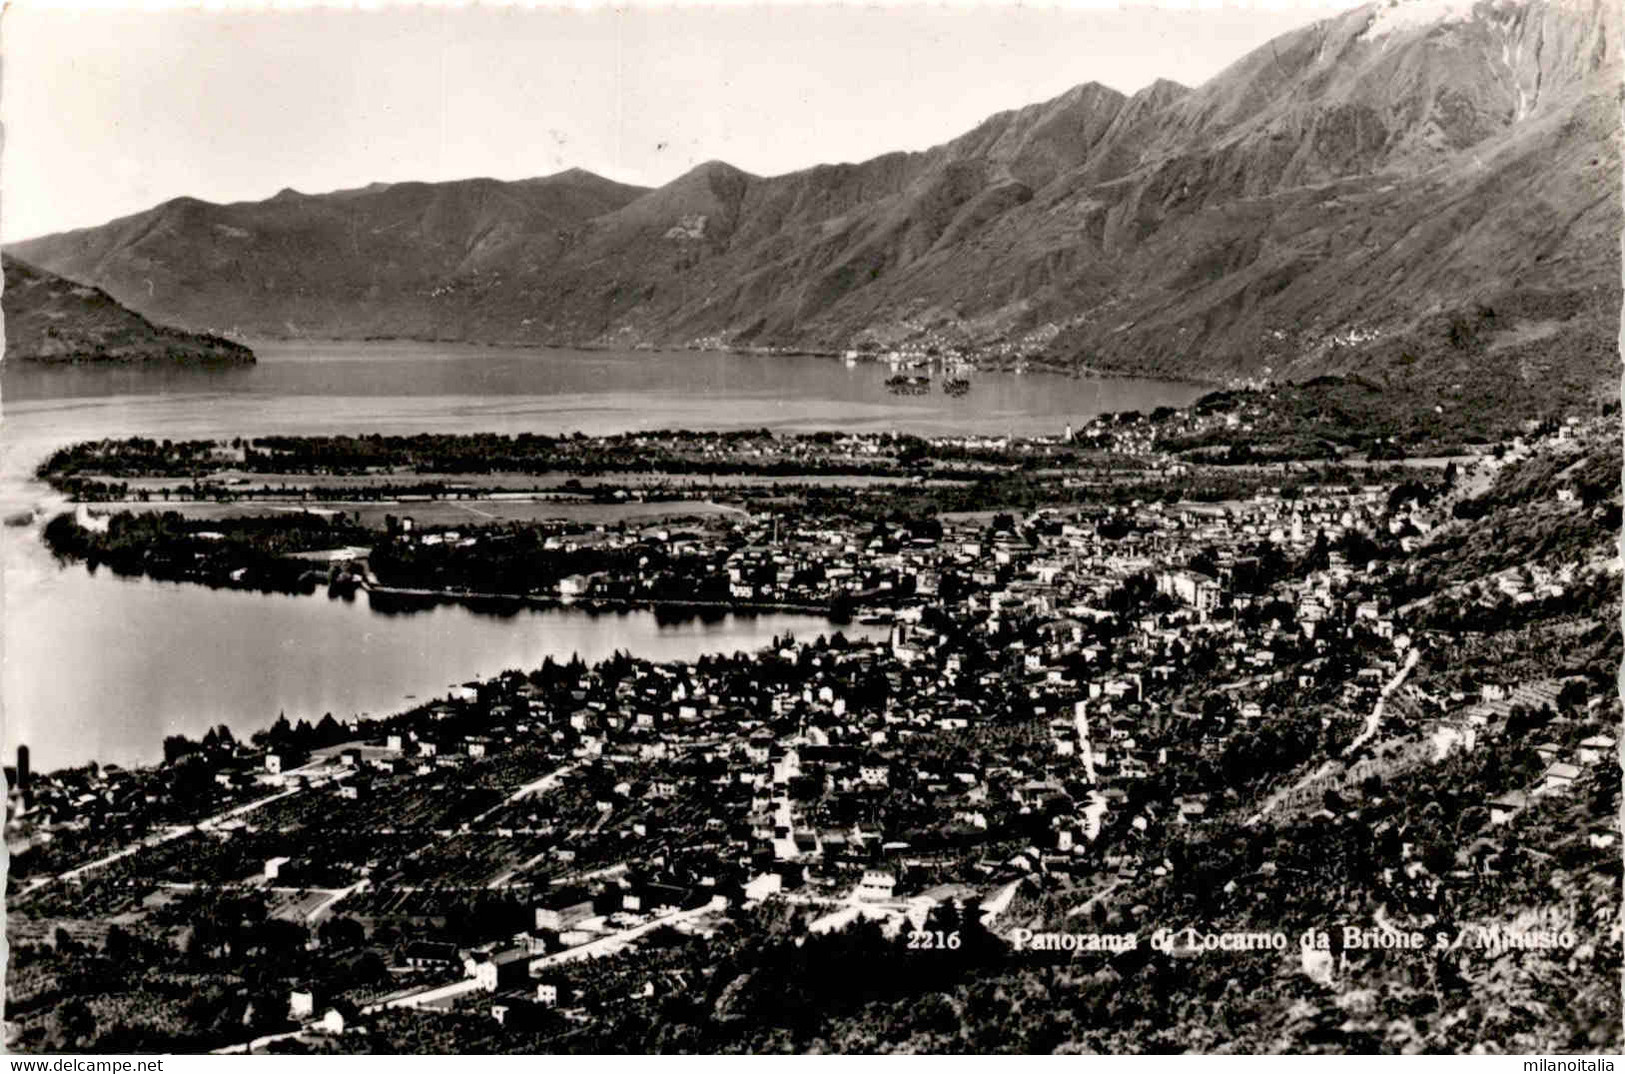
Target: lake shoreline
{"x":104,"y":667}
{"x":1000,"y":365}
{"x":241,"y":656}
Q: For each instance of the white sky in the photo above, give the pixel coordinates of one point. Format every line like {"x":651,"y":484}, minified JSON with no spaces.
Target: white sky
{"x":109,"y":112}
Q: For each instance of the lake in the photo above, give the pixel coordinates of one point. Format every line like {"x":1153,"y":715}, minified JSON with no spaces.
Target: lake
{"x":102,"y":668}
{"x":384,"y":387}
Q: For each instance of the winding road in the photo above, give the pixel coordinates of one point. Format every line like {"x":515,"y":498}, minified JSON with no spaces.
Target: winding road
{"x":1372,"y":722}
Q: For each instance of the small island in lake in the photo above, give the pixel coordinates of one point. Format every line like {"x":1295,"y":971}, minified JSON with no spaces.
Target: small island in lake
{"x":908,"y":384}
{"x":55,"y":320}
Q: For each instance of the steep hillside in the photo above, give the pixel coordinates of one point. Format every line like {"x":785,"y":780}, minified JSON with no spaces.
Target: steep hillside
{"x":50,"y":319}
{"x":1424,"y":193}
{"x":385,"y":259}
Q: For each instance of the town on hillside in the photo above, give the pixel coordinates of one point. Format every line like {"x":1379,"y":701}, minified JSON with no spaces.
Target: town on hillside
{"x":1108,"y":696}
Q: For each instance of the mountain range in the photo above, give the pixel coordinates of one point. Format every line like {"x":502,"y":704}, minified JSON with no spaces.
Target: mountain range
{"x":55,"y":320}
{"x":1423,"y":194}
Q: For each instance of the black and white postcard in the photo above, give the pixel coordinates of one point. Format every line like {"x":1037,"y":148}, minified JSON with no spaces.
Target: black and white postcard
{"x":812,"y":529}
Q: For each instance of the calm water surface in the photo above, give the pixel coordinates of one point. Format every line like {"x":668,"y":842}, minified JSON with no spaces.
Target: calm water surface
{"x":98,"y":667}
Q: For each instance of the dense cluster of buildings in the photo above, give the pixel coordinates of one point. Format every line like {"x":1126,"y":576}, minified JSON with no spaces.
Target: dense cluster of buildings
{"x":1024,"y":694}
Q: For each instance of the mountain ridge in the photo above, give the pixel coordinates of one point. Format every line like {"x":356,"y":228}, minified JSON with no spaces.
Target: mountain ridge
{"x":1339,"y":200}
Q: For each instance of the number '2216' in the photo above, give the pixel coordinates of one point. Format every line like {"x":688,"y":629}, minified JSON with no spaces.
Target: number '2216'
{"x":926,"y":940}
